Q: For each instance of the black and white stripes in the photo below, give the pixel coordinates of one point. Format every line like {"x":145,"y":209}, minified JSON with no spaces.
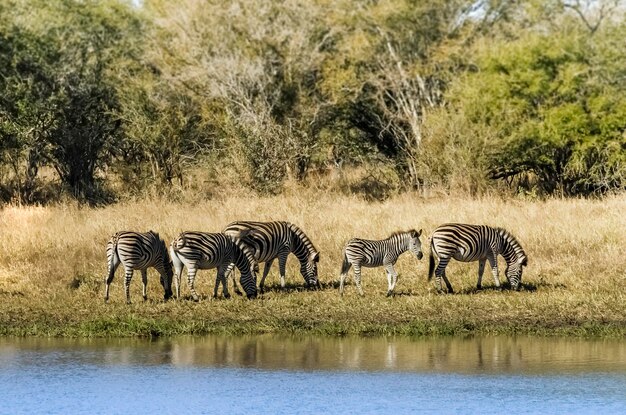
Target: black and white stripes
{"x":480,"y":243}
{"x":271,"y":240}
{"x":246,"y":244}
{"x":367,"y":253}
{"x":138,"y":251}
{"x":201,"y":250}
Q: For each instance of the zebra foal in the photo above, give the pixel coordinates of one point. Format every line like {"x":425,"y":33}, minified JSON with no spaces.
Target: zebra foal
{"x":138,"y":251}
{"x":201,"y":250}
{"x":271,"y":240}
{"x":467,"y":243}
{"x":367,"y":253}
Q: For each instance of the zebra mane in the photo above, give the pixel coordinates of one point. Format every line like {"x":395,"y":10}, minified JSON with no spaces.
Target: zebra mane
{"x":397,"y":233}
{"x":514,"y":243}
{"x":302,"y":236}
{"x":305,"y":251}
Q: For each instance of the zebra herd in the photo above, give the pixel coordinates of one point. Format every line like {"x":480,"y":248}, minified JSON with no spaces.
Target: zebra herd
{"x":246,"y":244}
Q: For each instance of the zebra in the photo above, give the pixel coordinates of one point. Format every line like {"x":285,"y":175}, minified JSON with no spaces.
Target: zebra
{"x":367,"y":253}
{"x":480,"y":243}
{"x":201,"y":250}
{"x":138,"y":251}
{"x":271,"y":240}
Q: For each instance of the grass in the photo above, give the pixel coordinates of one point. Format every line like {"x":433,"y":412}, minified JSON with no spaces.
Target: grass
{"x":52,"y":267}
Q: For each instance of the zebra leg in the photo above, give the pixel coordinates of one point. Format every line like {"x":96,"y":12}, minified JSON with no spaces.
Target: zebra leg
{"x":392,"y":278}
{"x":357,"y":278}
{"x":494,"y":269}
{"x":266,"y":271}
{"x":191,"y":277}
{"x":481,"y":270}
{"x":282,"y":265}
{"x":178,"y":270}
{"x":230,"y":273}
{"x":217,"y":283}
{"x":221,"y":277}
{"x":128,"y":276}
{"x":448,"y":285}
{"x":342,"y":277}
{"x":112,"y":267}
{"x":440,"y":273}
{"x":144,"y":281}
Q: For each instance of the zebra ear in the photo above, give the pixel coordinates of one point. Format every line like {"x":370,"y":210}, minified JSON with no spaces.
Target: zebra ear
{"x":315,"y":257}
{"x":524,"y":261}
{"x":419,"y":233}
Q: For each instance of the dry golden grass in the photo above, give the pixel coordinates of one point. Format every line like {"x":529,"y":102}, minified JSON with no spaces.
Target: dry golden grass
{"x":52,"y":267}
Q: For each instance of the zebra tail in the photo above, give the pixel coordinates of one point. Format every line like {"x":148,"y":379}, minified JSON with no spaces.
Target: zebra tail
{"x":179,"y":243}
{"x":346,"y":265}
{"x":431,"y":265}
{"x":114,"y":257}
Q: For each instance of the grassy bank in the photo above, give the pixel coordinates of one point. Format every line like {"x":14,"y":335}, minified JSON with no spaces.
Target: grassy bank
{"x":52,"y":266}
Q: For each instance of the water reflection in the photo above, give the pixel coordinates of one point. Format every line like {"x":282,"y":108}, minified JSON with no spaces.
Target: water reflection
{"x":458,"y":355}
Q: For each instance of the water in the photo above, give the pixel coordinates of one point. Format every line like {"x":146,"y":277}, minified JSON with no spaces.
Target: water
{"x":282,"y":375}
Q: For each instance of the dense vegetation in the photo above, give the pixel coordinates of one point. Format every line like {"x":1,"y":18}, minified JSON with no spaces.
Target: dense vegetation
{"x":105,"y":99}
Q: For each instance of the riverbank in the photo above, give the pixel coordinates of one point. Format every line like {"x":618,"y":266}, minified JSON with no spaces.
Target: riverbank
{"x":52,"y":266}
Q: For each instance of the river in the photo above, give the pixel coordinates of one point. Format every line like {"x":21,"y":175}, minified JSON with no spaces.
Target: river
{"x":285,"y":375}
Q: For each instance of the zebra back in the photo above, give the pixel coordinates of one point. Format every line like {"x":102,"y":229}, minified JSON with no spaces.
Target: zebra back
{"x":212,"y":249}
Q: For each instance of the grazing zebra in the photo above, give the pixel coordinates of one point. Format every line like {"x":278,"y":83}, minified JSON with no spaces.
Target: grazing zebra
{"x":138,"y":251}
{"x":201,"y":250}
{"x":363,"y":252}
{"x":480,"y":243}
{"x":271,"y":240}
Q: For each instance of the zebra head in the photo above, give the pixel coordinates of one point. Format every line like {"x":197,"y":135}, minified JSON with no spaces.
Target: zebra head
{"x":514,"y":272}
{"x":415,"y":245}
{"x":308,"y":269}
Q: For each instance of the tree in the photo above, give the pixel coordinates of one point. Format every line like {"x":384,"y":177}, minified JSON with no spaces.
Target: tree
{"x":60,"y":102}
{"x":557,"y":117}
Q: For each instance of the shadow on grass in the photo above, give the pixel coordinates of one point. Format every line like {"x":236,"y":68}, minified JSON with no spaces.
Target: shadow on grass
{"x":506,"y":286}
{"x":291,"y":287}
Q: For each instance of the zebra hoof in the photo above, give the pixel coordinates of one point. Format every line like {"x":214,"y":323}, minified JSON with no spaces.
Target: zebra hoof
{"x":227,"y":296}
{"x":389,"y":293}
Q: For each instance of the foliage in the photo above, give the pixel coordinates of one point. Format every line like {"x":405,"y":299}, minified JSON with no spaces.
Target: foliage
{"x":558,"y":120}
{"x":120,"y":96}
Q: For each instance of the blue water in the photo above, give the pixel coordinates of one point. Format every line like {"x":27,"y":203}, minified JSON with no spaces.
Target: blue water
{"x":172,"y":378}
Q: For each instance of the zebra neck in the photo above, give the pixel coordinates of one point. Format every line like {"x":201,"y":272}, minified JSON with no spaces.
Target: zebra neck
{"x":399,"y":242}
{"x":301,"y":247}
{"x":510,"y":249}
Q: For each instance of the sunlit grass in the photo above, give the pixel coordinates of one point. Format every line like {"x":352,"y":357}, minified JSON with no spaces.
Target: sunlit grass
{"x":52,"y":267}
